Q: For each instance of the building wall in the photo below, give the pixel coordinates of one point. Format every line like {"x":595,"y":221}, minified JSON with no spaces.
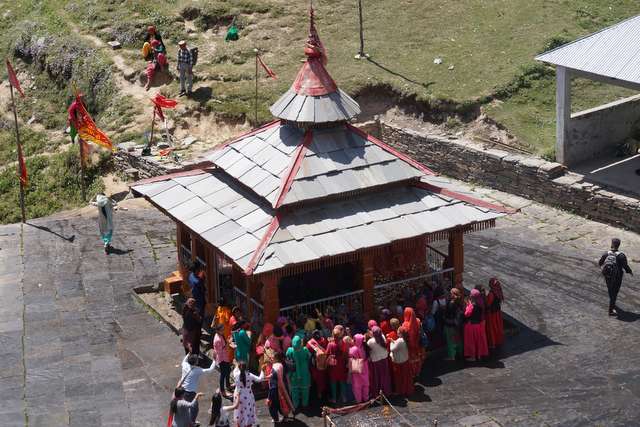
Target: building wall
{"x":600,"y":129}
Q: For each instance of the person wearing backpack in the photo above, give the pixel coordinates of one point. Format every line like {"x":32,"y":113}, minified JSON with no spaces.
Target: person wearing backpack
{"x":613,"y":264}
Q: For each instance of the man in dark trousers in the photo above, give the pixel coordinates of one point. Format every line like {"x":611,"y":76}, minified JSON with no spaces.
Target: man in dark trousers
{"x":614,"y":264}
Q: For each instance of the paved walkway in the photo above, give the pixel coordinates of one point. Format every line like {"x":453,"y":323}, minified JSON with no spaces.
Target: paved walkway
{"x":76,"y":349}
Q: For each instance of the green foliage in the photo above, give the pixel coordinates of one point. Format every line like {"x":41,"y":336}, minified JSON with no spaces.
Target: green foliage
{"x":54,"y":185}
{"x":32,"y":143}
{"x":554,"y":42}
{"x":222,"y":12}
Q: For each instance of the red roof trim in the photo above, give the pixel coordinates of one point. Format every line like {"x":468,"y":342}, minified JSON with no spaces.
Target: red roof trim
{"x":391,"y":150}
{"x":262,"y":246}
{"x":167,"y":177}
{"x":313,"y":79}
{"x":469,"y":199}
{"x":287,"y":180}
{"x":245,"y":135}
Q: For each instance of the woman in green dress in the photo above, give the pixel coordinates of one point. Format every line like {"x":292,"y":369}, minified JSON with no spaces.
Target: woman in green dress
{"x":300,"y":378}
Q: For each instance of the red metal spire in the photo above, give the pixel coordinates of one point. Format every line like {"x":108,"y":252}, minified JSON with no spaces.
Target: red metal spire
{"x":313,"y":79}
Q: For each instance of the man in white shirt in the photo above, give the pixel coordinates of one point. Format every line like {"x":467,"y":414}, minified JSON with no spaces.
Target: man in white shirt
{"x":191,"y":373}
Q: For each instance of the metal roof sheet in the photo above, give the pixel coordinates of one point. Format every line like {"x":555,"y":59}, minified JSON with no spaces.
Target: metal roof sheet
{"x":336,"y":106}
{"x":187,"y":210}
{"x":612,"y":52}
{"x":206,"y":186}
{"x":238,"y":209}
{"x":239,"y":168}
{"x":229,"y":158}
{"x":240,"y":247}
{"x":173,"y":197}
{"x":205,"y":221}
{"x":255,"y":220}
{"x":222,"y":197}
{"x":223,"y":233}
{"x":190,"y":179}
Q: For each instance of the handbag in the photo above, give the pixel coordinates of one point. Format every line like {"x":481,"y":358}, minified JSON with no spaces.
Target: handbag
{"x":356,"y":366}
{"x":320,"y":356}
{"x":331,"y":360}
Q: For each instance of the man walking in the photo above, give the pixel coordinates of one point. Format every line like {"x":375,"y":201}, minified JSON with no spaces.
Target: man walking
{"x":614,"y":264}
{"x":185,"y":68}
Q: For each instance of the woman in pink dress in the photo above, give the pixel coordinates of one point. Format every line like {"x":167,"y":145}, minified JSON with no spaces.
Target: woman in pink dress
{"x":359,"y":368}
{"x":475,"y":337}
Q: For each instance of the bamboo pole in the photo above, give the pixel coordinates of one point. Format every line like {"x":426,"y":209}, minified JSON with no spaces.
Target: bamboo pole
{"x":83,"y":185}
{"x":361,"y":52}
{"x":256,"y":103}
{"x":15,"y":118}
{"x":153,"y":122}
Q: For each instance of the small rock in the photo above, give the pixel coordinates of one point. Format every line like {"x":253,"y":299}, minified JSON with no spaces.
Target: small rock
{"x":114,"y":44}
{"x":132,"y":173}
{"x":31,"y":120}
{"x":188,"y":141}
{"x":163,"y":145}
{"x":451,"y":67}
{"x":437,"y":61}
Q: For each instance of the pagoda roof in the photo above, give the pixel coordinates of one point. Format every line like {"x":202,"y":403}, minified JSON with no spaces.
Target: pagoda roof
{"x":261,"y":239}
{"x":285,"y":165}
{"x":314,"y":97}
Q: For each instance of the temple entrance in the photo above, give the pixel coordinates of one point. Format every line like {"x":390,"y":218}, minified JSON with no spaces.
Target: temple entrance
{"x":331,"y":286}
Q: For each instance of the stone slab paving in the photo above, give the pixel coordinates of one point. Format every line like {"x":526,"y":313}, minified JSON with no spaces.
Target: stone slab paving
{"x":77,"y":349}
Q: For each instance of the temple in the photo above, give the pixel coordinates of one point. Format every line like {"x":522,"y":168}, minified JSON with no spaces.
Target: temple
{"x":309,"y":211}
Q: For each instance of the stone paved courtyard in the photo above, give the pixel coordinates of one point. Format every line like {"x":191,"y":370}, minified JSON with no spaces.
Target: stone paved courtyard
{"x":77,"y":348}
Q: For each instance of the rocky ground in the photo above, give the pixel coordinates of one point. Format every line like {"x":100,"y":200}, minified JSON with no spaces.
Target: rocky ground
{"x":78,"y":349}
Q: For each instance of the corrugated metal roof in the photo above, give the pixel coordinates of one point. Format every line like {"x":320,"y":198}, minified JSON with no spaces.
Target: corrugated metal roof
{"x":334,"y":107}
{"x":612,"y":52}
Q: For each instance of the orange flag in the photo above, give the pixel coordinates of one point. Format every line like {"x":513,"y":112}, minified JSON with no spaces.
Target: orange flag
{"x":22,"y":168}
{"x":80,"y":119}
{"x":160,"y":102}
{"x":13,"y":80}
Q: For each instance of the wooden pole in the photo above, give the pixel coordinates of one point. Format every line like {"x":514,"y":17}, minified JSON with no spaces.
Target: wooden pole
{"x":361,"y":52}
{"x":15,"y":118}
{"x":153,"y":122}
{"x":83,"y":188}
{"x":256,"y":103}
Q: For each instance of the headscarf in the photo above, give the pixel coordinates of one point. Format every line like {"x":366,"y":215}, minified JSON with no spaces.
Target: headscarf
{"x":385,"y":314}
{"x":475,"y":296}
{"x":395,"y":324}
{"x":480,"y":297}
{"x":496,"y":288}
{"x":296,"y":343}
{"x":281,"y":321}
{"x":377,"y":335}
{"x":412,"y":326}
{"x":372,"y":324}
{"x":358,"y":351}
{"x":155,"y":43}
{"x":151,"y":29}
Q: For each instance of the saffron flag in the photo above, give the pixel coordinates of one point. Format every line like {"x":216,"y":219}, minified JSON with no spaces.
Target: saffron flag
{"x":13,"y":80}
{"x":268,"y":70}
{"x":82,"y":124}
{"x":22,"y":168}
{"x":160,"y":102}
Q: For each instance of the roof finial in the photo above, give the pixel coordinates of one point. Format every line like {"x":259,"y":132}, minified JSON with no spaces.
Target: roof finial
{"x":314,"y":47}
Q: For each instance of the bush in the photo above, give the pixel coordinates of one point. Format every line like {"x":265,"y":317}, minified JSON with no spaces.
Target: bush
{"x":554,"y":42}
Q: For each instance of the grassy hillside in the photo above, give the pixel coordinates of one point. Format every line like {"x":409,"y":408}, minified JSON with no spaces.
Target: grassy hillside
{"x":486,"y":46}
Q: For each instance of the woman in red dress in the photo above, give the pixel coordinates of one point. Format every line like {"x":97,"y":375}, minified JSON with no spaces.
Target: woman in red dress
{"x":412,"y":326}
{"x":337,"y":364}
{"x":494,"y":324}
{"x":317,"y":345}
{"x":475,"y":336}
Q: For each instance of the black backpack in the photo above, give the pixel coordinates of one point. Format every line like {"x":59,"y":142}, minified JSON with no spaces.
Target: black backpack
{"x":610,"y":265}
{"x":194,"y":55}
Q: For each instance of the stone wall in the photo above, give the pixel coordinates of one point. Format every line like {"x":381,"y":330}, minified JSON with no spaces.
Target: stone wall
{"x":530,"y":177}
{"x":600,"y":129}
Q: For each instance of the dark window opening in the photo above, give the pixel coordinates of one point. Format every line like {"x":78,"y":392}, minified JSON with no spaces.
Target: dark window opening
{"x":318,"y":284}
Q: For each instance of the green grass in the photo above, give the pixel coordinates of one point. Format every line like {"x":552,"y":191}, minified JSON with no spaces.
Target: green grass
{"x":54,"y":185}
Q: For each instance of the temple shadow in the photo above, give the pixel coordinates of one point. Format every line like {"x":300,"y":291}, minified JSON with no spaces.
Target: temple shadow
{"x":48,"y":230}
{"x":519,"y":339}
{"x":397,"y":74}
{"x":627,"y":316}
{"x":116,"y":251}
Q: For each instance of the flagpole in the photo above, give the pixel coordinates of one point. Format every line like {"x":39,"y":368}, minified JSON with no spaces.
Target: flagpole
{"x":83,"y":188}
{"x":15,"y":118}
{"x":256,"y":104}
{"x":153,"y":122}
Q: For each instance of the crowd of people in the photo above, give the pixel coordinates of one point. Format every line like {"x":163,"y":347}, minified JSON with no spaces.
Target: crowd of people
{"x":335,"y":356}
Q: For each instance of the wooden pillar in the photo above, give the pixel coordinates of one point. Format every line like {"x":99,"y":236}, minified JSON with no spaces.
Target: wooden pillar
{"x":456,"y":255}
{"x":563,"y":115}
{"x":366,"y":280}
{"x":271,"y":299}
{"x":212,"y":278}
{"x":250,"y":292}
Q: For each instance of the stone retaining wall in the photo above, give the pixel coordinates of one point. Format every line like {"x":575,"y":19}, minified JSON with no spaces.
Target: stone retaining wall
{"x":530,"y":177}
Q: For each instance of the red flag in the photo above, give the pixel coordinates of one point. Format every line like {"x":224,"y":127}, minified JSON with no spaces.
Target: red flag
{"x":160,"y":102}
{"x":22,"y":168}
{"x":13,"y":80}
{"x":267,"y":69}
